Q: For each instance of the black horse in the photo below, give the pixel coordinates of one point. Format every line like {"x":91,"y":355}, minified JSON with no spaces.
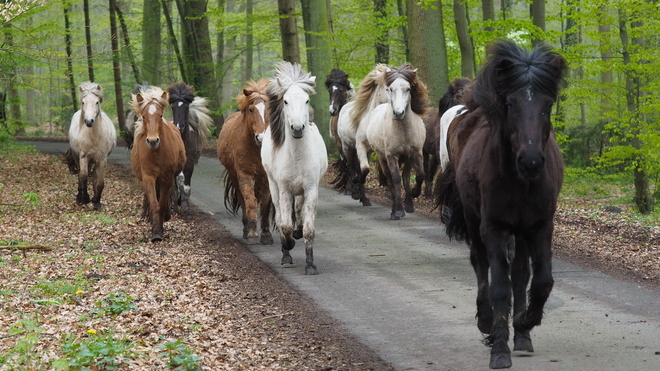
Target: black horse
{"x":500,"y":189}
{"x":191,"y":117}
{"x":341,"y":91}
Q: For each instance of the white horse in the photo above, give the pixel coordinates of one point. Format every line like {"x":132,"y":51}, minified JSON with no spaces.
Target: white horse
{"x":396,"y":133}
{"x":446,"y":120}
{"x":294,"y":156}
{"x":351,"y":125}
{"x":92,"y":136}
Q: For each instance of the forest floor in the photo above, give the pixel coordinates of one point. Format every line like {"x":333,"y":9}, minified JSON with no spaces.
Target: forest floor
{"x":74,"y":278}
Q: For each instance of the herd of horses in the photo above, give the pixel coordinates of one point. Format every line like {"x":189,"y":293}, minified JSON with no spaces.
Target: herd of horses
{"x":500,"y":166}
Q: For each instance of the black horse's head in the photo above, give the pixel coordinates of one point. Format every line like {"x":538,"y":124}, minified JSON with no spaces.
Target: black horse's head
{"x":517,"y":89}
{"x":339,"y":88}
{"x":181,"y":96}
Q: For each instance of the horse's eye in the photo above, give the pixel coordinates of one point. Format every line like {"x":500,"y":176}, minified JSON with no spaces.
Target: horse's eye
{"x":307,"y":101}
{"x":251,"y":110}
{"x":408,"y":89}
{"x":285,"y":102}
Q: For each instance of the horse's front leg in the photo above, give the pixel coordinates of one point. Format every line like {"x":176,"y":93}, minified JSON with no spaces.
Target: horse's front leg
{"x":186,"y":189}
{"x":395,"y":187}
{"x":250,"y":208}
{"x":82,"y":198}
{"x":360,"y":165}
{"x":310,"y":202}
{"x":495,"y":240}
{"x":151,"y":198}
{"x":285,"y":225}
{"x":164,"y":213}
{"x":539,"y":242}
{"x":519,"y":280}
{"x":98,"y":183}
{"x":479,"y":261}
{"x":420,"y":174}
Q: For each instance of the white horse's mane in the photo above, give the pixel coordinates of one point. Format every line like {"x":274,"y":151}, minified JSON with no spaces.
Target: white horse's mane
{"x":288,"y":74}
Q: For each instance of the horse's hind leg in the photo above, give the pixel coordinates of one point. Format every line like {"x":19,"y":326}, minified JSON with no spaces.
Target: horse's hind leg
{"x":391,"y":165}
{"x":297,"y":217}
{"x":185,"y":191}
{"x":250,"y":208}
{"x":519,"y":278}
{"x":98,"y":183}
{"x":409,"y":206}
{"x":266,"y":203}
{"x":82,"y":198}
{"x":285,"y":224}
{"x":539,"y":243}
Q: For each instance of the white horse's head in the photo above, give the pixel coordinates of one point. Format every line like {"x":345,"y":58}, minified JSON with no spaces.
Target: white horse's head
{"x":296,"y":110}
{"x":399,"y":96}
{"x":91,"y":99}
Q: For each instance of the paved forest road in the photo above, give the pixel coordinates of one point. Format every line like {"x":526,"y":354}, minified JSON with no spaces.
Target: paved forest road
{"x":405,"y":290}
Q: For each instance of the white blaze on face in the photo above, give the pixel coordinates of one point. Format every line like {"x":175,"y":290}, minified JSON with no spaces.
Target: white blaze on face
{"x":261,"y":107}
{"x":152,"y":109}
{"x":529,"y":93}
{"x":180,"y":103}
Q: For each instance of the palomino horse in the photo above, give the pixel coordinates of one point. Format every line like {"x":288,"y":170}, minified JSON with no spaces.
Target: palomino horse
{"x":351,"y":128}
{"x":396,"y":133}
{"x":191,"y":117}
{"x":239,"y":151}
{"x":294,"y":157}
{"x":341,"y":91}
{"x":431,"y":149}
{"x":92,"y":137}
{"x":502,"y":183}
{"x":158,"y":155}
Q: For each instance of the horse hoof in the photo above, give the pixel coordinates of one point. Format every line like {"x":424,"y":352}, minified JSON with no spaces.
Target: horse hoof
{"x":287,"y":259}
{"x":245,"y":235}
{"x":298,"y":233}
{"x":253,"y":240}
{"x":522,"y":341}
{"x":97,"y":205}
{"x":365,"y":202}
{"x":500,"y":360}
{"x":397,"y":215}
{"x":267,"y":239}
{"x":156,"y":237}
{"x":410,"y":209}
{"x":311,"y":270}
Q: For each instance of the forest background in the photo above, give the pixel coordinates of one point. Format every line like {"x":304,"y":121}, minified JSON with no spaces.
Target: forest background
{"x":606,"y":120}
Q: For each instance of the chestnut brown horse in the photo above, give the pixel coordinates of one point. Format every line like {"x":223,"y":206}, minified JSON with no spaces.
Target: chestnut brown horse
{"x":430,"y":151}
{"x":239,"y":151}
{"x":500,"y":189}
{"x":157,"y":156}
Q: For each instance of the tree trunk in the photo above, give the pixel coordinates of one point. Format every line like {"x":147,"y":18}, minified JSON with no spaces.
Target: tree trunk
{"x":401,"y":7}
{"x":151,"y":40}
{"x":230,"y":55}
{"x":382,"y":46}
{"x":88,"y":40}
{"x":633,"y":86}
{"x":14,"y":120}
{"x":69,"y":55}
{"x":249,"y":52}
{"x":488,"y":11}
{"x":537,"y":11}
{"x":174,"y":43}
{"x":115,"y":66}
{"x":607,"y":75}
{"x":464,"y":40}
{"x":289,"y":31}
{"x":127,"y":45}
{"x":319,"y":60}
{"x":428,"y":51}
{"x":221,"y":64}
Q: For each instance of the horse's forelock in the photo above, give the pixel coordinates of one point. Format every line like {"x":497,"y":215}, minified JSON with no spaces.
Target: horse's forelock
{"x":258,"y":89}
{"x":418,"y":91}
{"x":152,"y":95}
{"x":339,"y":78}
{"x":89,"y":87}
{"x":180,"y":91}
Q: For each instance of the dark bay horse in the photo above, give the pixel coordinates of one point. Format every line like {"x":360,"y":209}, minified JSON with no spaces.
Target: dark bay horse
{"x":501,"y":188}
{"x":239,"y":151}
{"x":157,"y":156}
{"x":452,"y":97}
{"x":191,"y":117}
{"x":341,"y":91}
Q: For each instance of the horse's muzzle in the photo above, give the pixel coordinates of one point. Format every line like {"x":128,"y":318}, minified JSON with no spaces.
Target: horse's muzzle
{"x":153,"y":142}
{"x":530,"y":166}
{"x":398,"y":115}
{"x":297,"y":132}
{"x":89,"y":122}
{"x":259,"y":138}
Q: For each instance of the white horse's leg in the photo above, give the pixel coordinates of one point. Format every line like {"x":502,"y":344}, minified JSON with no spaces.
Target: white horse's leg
{"x":98,"y":182}
{"x":298,"y":220}
{"x":83,"y":196}
{"x":309,"y":216}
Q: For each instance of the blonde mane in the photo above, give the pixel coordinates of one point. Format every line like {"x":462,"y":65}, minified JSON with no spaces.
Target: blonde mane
{"x":89,"y":87}
{"x":366,"y":90}
{"x":153,"y":94}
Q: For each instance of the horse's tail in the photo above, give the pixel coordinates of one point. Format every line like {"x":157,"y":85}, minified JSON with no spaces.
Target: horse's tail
{"x":343,"y":170}
{"x":231,"y":198}
{"x":71,"y":161}
{"x":199,"y":118}
{"x":449,"y":201}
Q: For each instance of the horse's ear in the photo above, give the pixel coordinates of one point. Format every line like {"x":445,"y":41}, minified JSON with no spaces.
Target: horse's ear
{"x":139,"y":98}
{"x":247,"y":92}
{"x":165,"y":96}
{"x":558,"y":62}
{"x":279,"y":82}
{"x":313,"y":78}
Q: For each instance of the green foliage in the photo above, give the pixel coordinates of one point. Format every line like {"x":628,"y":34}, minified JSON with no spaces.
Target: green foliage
{"x":32,"y":198}
{"x":23,"y":356}
{"x":179,"y":357}
{"x":114,"y":304}
{"x":101,"y":351}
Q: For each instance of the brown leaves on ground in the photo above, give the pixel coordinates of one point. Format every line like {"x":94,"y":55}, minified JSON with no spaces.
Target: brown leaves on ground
{"x":199,"y":285}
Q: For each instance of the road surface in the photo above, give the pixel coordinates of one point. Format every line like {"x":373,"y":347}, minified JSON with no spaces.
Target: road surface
{"x":408,"y":292}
